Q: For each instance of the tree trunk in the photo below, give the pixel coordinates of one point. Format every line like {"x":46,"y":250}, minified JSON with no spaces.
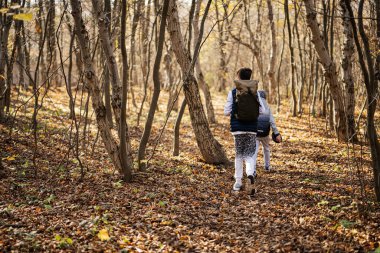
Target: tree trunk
{"x":210,"y":148}
{"x":6,"y":23}
{"x":371,"y":84}
{"x":329,"y":70}
{"x":292,"y":63}
{"x":222,"y":72}
{"x":176,"y":128}
{"x":125,"y":146}
{"x":273,"y":54}
{"x":51,"y":43}
{"x":301,"y":84}
{"x":110,"y":60}
{"x":348,"y":50}
{"x":199,"y":74}
{"x":106,"y":82}
{"x":315,"y":88}
{"x":133,"y":73}
{"x":157,"y":88}
{"x":94,"y":88}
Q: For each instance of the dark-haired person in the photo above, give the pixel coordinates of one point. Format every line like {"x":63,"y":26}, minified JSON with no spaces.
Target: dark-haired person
{"x":244,"y":131}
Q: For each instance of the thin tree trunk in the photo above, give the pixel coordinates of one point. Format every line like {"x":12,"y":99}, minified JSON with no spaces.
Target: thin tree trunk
{"x":348,"y":51}
{"x":329,"y":69}
{"x":315,"y":88}
{"x":94,"y":88}
{"x":157,"y":88}
{"x":371,"y":84}
{"x":51,"y":43}
{"x":110,"y":60}
{"x":301,"y":84}
{"x":273,"y":54}
{"x":125,"y":147}
{"x":176,"y":128}
{"x":279,"y":68}
{"x":106,"y":82}
{"x":6,"y":26}
{"x":133,"y":73}
{"x":222,"y":72}
{"x":69,"y":76}
{"x":292,"y":63}
{"x":210,"y":148}
{"x":199,"y":74}
{"x":26,"y":46}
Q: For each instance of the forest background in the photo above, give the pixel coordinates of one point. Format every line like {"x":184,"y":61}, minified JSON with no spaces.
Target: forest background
{"x":112,"y":133}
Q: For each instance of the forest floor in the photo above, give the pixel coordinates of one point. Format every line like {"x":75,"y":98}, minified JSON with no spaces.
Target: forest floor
{"x":313,"y":201}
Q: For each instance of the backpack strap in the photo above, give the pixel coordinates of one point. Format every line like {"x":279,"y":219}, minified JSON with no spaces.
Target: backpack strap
{"x":234,"y":95}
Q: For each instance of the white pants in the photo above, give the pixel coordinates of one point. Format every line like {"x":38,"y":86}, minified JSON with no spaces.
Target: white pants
{"x":245,"y":148}
{"x":265,"y":142}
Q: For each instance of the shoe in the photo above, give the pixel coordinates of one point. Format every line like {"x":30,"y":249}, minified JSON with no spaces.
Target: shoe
{"x":268,"y":168}
{"x":250,"y":184}
{"x":237,"y":186}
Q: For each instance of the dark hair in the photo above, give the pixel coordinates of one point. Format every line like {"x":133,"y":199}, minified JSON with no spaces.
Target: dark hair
{"x":244,"y":73}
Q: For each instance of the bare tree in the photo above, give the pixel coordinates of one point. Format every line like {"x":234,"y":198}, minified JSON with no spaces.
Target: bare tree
{"x":157,"y":88}
{"x":372,"y":85}
{"x":210,"y":148}
{"x":292,"y":61}
{"x":222,"y":82}
{"x":198,"y":70}
{"x":110,"y":143}
{"x":329,"y":70}
{"x":273,"y":54}
{"x":348,"y":50}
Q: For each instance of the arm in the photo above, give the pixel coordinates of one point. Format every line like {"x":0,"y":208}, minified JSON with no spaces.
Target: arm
{"x":272,"y":123}
{"x":264,"y":108}
{"x":228,"y":105}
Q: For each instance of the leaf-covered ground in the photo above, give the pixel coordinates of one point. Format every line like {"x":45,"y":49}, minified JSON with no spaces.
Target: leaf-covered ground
{"x":312,"y":202}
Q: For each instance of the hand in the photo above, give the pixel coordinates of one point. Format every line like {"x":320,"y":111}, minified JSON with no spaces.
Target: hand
{"x":279,"y":138}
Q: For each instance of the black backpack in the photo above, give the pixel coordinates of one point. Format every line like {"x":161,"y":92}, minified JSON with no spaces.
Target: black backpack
{"x":247,"y":106}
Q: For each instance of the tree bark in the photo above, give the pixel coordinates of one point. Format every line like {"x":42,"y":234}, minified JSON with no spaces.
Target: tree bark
{"x":51,"y":43}
{"x":273,"y":54}
{"x":292,"y":63}
{"x":329,"y":70}
{"x":176,"y":128}
{"x":371,"y":84}
{"x":6,"y":24}
{"x":210,"y":148}
{"x":110,"y":60}
{"x":106,"y":82}
{"x":97,"y":103}
{"x":125,"y":146}
{"x":348,"y":50}
{"x":222,"y":72}
{"x":157,"y":88}
{"x":301,"y":84}
{"x":199,"y":74}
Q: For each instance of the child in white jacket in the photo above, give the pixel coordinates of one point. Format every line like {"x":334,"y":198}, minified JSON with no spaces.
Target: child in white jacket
{"x":264,"y":124}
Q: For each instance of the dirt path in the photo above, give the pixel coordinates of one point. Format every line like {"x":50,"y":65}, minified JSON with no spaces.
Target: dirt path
{"x":180,"y":204}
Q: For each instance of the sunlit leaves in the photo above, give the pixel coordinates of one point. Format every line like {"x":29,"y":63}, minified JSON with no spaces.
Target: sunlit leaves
{"x":103,"y":235}
{"x":23,"y":17}
{"x":4,"y":10}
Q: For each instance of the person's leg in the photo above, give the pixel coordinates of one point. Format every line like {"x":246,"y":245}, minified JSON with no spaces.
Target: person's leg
{"x":249,"y":164}
{"x":250,"y":151}
{"x":238,"y":168}
{"x":266,"y":148}
{"x":238,"y":161}
{"x":256,"y":153}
